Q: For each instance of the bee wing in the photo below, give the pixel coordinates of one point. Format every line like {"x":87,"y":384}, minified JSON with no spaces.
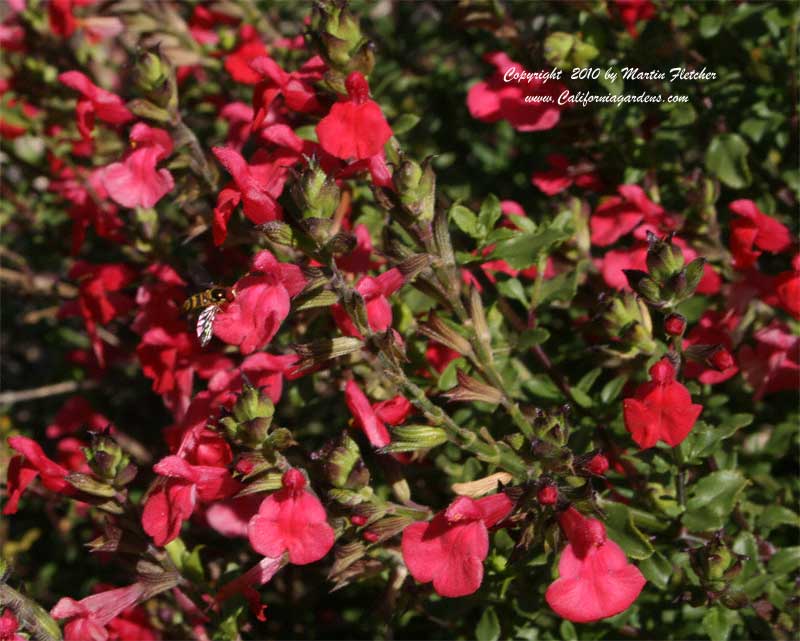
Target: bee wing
{"x":205,"y":324}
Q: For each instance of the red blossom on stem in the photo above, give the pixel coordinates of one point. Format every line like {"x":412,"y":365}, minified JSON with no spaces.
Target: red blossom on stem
{"x":262,"y":303}
{"x":292,"y":520}
{"x":372,"y":419}
{"x":135,"y":181}
{"x":661,"y":410}
{"x":596,"y":580}
{"x":24,"y":468}
{"x":375,"y":291}
{"x":752,"y":231}
{"x":713,"y":328}
{"x":563,"y":175}
{"x":774,"y":365}
{"x":356,"y":127}
{"x":89,"y":617}
{"x":95,"y":102}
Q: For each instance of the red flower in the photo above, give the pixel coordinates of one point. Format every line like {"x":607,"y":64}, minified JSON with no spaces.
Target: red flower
{"x":372,"y":419}
{"x":75,"y":414}
{"x":354,"y":128}
{"x":675,"y":325}
{"x":89,"y":617}
{"x":661,"y":410}
{"x":262,"y":303}
{"x":95,"y":102}
{"x":440,"y":356}
{"x":774,"y":365}
{"x":291,"y":520}
{"x":496,"y":99}
{"x":296,"y":87}
{"x":598,"y":465}
{"x":9,"y":626}
{"x":450,"y":549}
{"x":616,"y":216}
{"x":632,"y":11}
{"x":359,"y":260}
{"x":787,"y":290}
{"x":265,"y":371}
{"x":547,"y":494}
{"x":752,"y":228}
{"x":32,"y":463}
{"x":562,"y":175}
{"x":135,"y":181}
{"x":257,"y":185}
{"x":60,"y":18}
{"x":379,"y":310}
{"x":99,"y":300}
{"x":238,"y":63}
{"x":713,"y":328}
{"x":595,"y":579}
{"x":172,"y":500}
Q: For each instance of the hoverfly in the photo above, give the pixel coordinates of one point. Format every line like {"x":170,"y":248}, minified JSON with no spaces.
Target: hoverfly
{"x":209,"y":302}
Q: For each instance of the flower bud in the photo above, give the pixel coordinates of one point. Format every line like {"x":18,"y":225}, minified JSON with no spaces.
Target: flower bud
{"x":339,"y":39}
{"x":252,"y":404}
{"x":598,"y":465}
{"x":548,"y":494}
{"x":675,"y":325}
{"x":416,"y":187}
{"x":691,"y":277}
{"x":358,"y":520}
{"x":315,"y":193}
{"x":410,"y":438}
{"x":721,"y":359}
{"x":342,"y":464}
{"x":105,"y":456}
{"x":644,"y":285}
{"x":664,"y":258}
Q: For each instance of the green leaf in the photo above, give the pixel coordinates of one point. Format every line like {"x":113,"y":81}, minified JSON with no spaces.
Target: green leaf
{"x":582,"y":398}
{"x":514,"y":290}
{"x":405,"y":123}
{"x":465,"y":219}
{"x":710,"y":25}
{"x":488,"y":628}
{"x":612,"y":389}
{"x":523,"y":250}
{"x":704,"y":439}
{"x":567,"y":630}
{"x":726,"y":158}
{"x":712,"y":499}
{"x":623,"y":531}
{"x":490,"y":213}
{"x":657,"y":570}
{"x":718,"y":622}
{"x":785,"y":561}
{"x":585,"y":384}
{"x":777,"y":515}
{"x":531,"y":337}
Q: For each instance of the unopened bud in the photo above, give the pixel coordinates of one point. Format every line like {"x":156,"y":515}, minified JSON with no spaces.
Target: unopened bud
{"x":470,"y":389}
{"x":721,"y":359}
{"x":315,"y":193}
{"x":105,"y":457}
{"x":675,"y":325}
{"x":252,"y":404}
{"x":441,"y":332}
{"x":664,"y":258}
{"x":598,"y":465}
{"x":691,"y":277}
{"x":547,"y":495}
{"x":416,"y":186}
{"x":358,"y":520}
{"x":643,"y":285}
{"x":410,"y":438}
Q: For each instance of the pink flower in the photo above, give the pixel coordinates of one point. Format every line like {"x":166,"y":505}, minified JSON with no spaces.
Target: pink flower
{"x":450,"y":549}
{"x":616,"y":216}
{"x":787,"y":289}
{"x":495,"y":99}
{"x":595,"y":579}
{"x":661,"y":410}
{"x":135,"y":181}
{"x":713,"y":328}
{"x":172,"y":500}
{"x":375,"y":292}
{"x":88,"y":617}
{"x":95,"y":102}
{"x":291,"y":520}
{"x":774,"y":365}
{"x":752,"y":229}
{"x":256,"y":185}
{"x":372,"y":419}
{"x":563,"y":175}
{"x":262,"y":303}
{"x":354,"y":128}
{"x":75,"y":414}
{"x":32,"y":463}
